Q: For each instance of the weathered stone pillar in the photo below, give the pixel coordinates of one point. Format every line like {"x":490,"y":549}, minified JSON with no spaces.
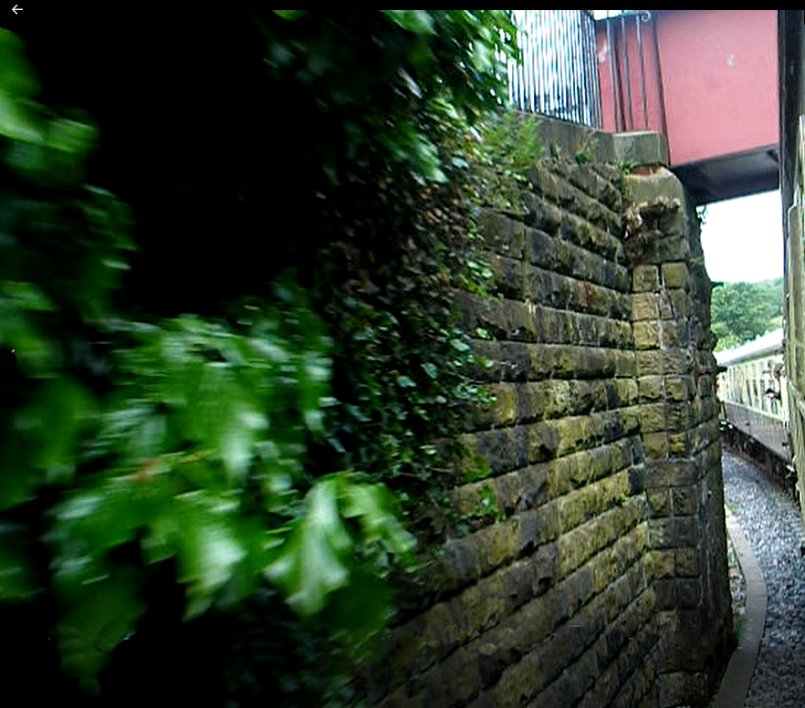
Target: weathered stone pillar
{"x":679,"y":421}
{"x":591,"y":566}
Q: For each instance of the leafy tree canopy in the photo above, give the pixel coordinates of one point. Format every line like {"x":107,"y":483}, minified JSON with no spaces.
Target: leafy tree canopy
{"x":743,"y":311}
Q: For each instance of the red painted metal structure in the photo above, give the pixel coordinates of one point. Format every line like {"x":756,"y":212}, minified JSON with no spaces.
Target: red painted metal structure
{"x":707,"y":80}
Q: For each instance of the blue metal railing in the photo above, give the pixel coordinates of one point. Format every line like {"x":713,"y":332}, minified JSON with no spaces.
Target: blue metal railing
{"x":558,"y":73}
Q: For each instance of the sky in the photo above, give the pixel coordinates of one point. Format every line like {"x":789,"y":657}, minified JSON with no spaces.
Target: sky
{"x":743,"y":239}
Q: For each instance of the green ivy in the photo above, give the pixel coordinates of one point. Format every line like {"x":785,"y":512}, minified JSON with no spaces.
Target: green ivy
{"x":194,"y":450}
{"x":271,"y":455}
{"x":400,"y":80}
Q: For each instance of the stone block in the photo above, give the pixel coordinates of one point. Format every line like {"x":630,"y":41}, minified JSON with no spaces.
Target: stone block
{"x":675,"y":275}
{"x":497,"y":544}
{"x":502,"y":234}
{"x":469,"y":498}
{"x":536,"y":526}
{"x":637,"y":479}
{"x":689,"y":593}
{"x":506,"y":280}
{"x":681,"y":416}
{"x":662,"y":533}
{"x":502,"y":450}
{"x":542,"y":214}
{"x":686,"y":562}
{"x":647,"y":335}
{"x":593,"y":184}
{"x":651,"y":388}
{"x":679,"y":388}
{"x":675,"y":245}
{"x":457,"y":566}
{"x":606,"y":684}
{"x":665,"y":305}
{"x":682,"y":445}
{"x":542,"y":440}
{"x":656,"y":447}
{"x":706,"y":387}
{"x":659,"y":502}
{"x":517,"y":491}
{"x":544,"y":250}
{"x":684,"y":501}
{"x":665,"y":591}
{"x":687,"y":530}
{"x":661,"y":564}
{"x":645,"y":279}
{"x":653,"y":417}
{"x":645,"y":306}
{"x":626,"y":393}
{"x":680,"y":306}
{"x":591,"y":226}
{"x":671,"y":473}
{"x":571,"y":685}
{"x":504,"y":410}
{"x":652,"y":363}
{"x":460,"y":679}
{"x":509,"y":361}
{"x":641,"y":148}
{"x":569,"y":139}
{"x":547,"y":183}
{"x":674,"y":333}
{"x":625,"y":364}
{"x":519,"y":683}
{"x":494,"y":657}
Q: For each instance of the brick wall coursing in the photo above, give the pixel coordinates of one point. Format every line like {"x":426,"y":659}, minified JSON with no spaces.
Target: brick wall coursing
{"x":589,"y":580}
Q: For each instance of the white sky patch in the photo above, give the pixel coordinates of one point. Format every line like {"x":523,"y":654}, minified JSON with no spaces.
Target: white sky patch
{"x":603,"y":14}
{"x":743,"y":239}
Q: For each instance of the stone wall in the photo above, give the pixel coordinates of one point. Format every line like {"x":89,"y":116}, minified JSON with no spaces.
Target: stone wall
{"x":597,"y":552}
{"x":679,"y":419}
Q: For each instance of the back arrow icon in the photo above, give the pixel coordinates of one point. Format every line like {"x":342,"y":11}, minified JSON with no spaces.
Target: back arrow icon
{"x":16,"y":10}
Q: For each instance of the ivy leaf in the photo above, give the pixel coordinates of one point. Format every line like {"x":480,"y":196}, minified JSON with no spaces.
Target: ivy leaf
{"x":313,"y":372}
{"x":95,"y":621}
{"x":35,"y":353}
{"x":52,"y":424}
{"x":416,"y":21}
{"x":223,"y":416}
{"x":18,"y":480}
{"x":210,"y":547}
{"x":18,"y":581}
{"x":15,"y":123}
{"x":291,"y":15}
{"x":27,"y":296}
{"x":362,"y":609}
{"x":312,"y":563}
{"x":16,"y":74}
{"x":92,"y":521}
{"x":373,"y":505}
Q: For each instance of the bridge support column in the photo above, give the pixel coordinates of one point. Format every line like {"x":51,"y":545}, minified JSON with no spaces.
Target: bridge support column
{"x":679,"y":418}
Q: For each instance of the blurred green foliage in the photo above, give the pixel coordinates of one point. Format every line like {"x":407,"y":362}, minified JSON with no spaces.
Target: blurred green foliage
{"x":263,"y":453}
{"x":742,"y":312}
{"x":401,"y":80}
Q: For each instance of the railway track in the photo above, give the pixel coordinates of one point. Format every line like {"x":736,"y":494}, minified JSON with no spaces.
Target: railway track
{"x":771,"y":522}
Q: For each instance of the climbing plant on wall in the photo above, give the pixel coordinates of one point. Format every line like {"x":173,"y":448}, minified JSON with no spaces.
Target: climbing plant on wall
{"x":182,"y":418}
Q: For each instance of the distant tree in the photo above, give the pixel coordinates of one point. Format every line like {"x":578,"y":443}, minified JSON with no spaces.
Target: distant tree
{"x":743,"y":311}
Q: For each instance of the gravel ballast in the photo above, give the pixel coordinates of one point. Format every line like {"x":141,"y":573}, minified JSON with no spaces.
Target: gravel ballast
{"x":772,"y":523}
